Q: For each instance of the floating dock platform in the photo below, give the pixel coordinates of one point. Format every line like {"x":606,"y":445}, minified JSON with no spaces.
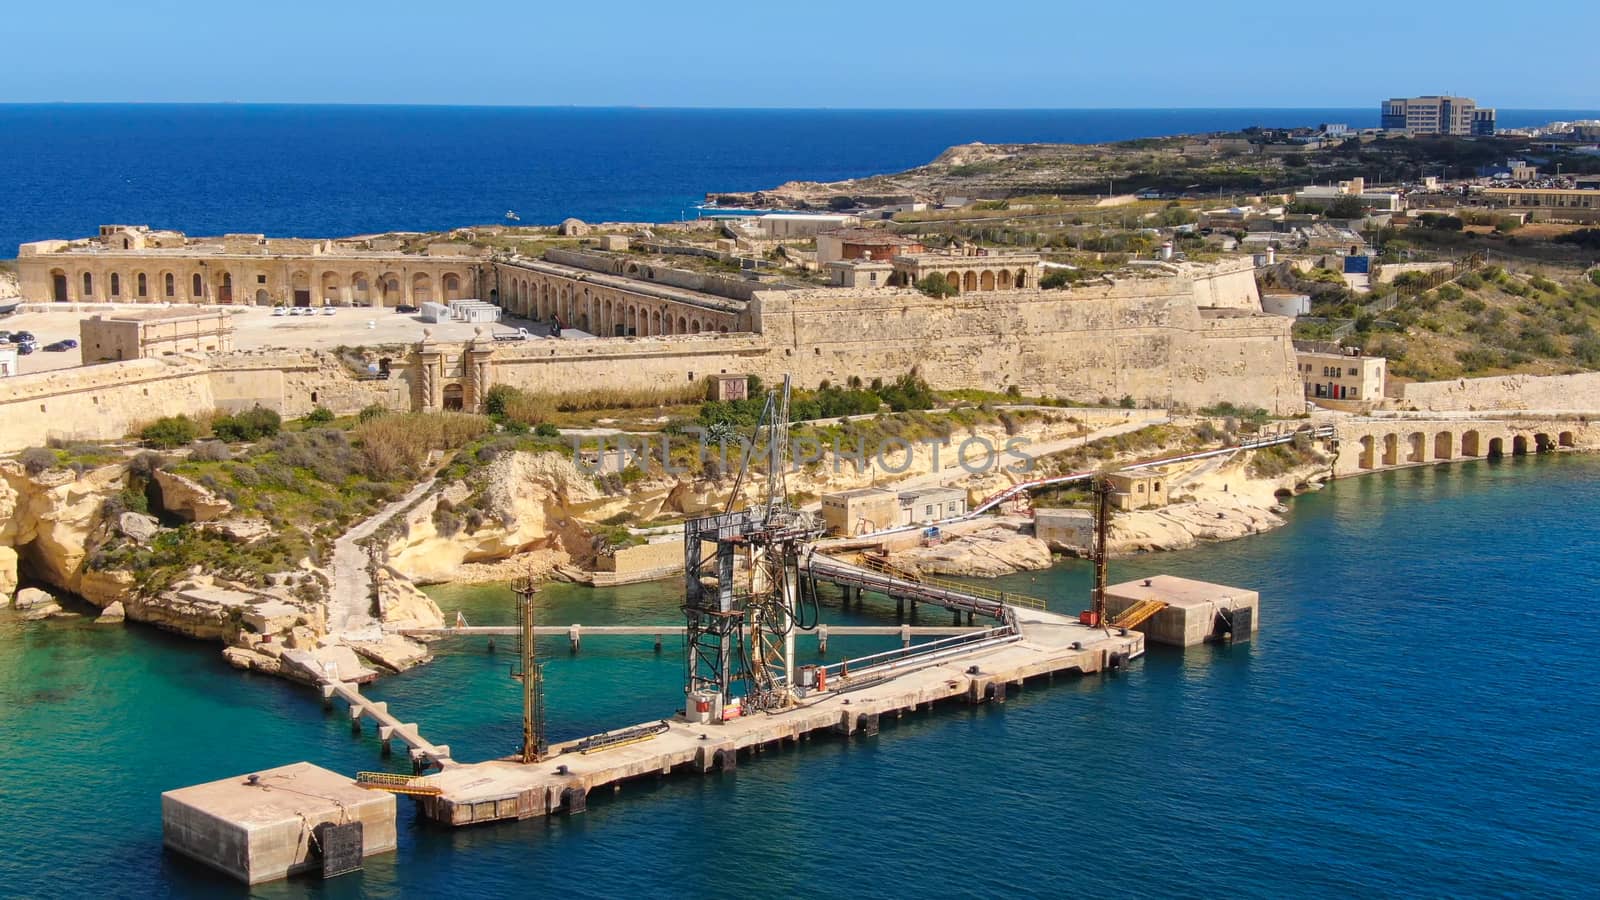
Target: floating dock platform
{"x":1044,"y":644}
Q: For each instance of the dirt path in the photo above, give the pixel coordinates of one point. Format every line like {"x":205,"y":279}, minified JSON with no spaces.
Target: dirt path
{"x":350,"y":605}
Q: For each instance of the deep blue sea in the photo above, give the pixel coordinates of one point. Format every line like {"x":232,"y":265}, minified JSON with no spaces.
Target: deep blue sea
{"x":1418,"y":717}
{"x":324,"y":171}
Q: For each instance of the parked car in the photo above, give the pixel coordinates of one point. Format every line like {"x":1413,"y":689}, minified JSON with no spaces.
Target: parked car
{"x":23,"y":337}
{"x":61,"y":346}
{"x":407,"y":309}
{"x":280,"y":310}
{"x":327,"y":310}
{"x":24,"y":348}
{"x":5,"y":336}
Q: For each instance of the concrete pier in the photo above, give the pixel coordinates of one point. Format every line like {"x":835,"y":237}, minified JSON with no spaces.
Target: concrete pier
{"x":1194,"y":611}
{"x":1045,"y":644}
{"x":274,"y":823}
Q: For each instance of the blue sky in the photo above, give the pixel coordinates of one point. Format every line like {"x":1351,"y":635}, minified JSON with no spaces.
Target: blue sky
{"x":936,"y":54}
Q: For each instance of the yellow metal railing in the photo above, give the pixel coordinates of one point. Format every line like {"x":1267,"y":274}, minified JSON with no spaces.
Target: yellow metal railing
{"x":1138,"y":613}
{"x":395,"y":783}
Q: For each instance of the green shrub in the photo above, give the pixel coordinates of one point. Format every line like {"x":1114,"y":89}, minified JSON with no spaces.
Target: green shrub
{"x":546,"y":430}
{"x":320,"y":415}
{"x":368,"y":413}
{"x":37,"y":460}
{"x":210,"y":451}
{"x":250,"y":425}
{"x":169,"y":431}
{"x":936,"y":286}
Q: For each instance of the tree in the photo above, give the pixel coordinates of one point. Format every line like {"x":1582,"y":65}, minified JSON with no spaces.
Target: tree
{"x":936,"y":286}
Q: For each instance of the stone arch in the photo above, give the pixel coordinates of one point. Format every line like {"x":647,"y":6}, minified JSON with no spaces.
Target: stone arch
{"x":169,"y":285}
{"x":970,"y":282}
{"x":421,"y":289}
{"x":1416,"y":447}
{"x":389,"y":290}
{"x":655,"y":322}
{"x":330,"y":289}
{"x":1471,"y":444}
{"x":454,"y":397}
{"x":683,"y":325}
{"x":1002,"y":280}
{"x":694,"y":326}
{"x":450,"y":284}
{"x":723,"y":330}
{"x":583,"y":322}
{"x":262,"y":298}
{"x":1022,"y":279}
{"x":141,"y":286}
{"x":607,"y":323}
{"x":1367,"y":458}
{"x":300,"y":288}
{"x":1391,"y":450}
{"x":1519,"y":445}
{"x":116,"y":284}
{"x":1543,"y":444}
{"x":88,"y":285}
{"x":58,"y":286}
{"x":1497,"y":447}
{"x":1444,"y":444}
{"x":953,"y":279}
{"x":1564,"y":439}
{"x":986,"y":281}
{"x":197,"y":286}
{"x":361,"y":288}
{"x":225,"y":288}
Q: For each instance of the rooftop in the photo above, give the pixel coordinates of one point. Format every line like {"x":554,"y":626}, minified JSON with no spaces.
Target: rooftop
{"x":175,"y":314}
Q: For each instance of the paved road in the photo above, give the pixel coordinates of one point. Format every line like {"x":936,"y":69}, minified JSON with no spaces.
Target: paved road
{"x":350,"y":606}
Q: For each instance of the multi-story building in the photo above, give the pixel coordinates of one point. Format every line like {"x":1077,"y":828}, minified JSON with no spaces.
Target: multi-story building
{"x":1433,"y":115}
{"x":1483,"y":122}
{"x":1332,"y":372}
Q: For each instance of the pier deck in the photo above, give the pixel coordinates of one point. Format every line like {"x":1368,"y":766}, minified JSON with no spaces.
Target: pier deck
{"x":1045,"y":644}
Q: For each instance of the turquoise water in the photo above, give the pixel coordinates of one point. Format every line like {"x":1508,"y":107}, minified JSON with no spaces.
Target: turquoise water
{"x":1418,"y":716}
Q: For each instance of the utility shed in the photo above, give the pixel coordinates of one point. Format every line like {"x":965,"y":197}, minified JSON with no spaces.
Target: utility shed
{"x":278,"y":824}
{"x":1195,"y":611}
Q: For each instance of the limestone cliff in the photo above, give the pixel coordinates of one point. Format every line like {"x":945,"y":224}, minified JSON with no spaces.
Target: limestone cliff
{"x":519,"y":503}
{"x":48,"y":522}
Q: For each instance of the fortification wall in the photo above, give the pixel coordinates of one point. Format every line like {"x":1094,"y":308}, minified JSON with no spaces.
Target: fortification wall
{"x":1143,"y":339}
{"x":99,"y":402}
{"x":1227,"y":285}
{"x":647,"y":271}
{"x":1580,"y":392}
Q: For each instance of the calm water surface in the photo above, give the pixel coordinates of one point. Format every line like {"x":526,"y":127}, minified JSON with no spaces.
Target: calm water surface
{"x":322,"y":171}
{"x":1419,"y":716}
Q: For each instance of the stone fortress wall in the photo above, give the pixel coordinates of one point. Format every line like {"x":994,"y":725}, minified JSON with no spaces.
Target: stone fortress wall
{"x":1580,"y":391}
{"x":1148,"y":338}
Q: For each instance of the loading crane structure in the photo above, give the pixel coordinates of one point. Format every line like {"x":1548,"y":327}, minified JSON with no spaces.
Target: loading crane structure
{"x":742,"y":587}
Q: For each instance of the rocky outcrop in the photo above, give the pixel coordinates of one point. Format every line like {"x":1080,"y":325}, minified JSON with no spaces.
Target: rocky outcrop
{"x":113,"y":614}
{"x":187,"y":499}
{"x":138,"y":527}
{"x":8,"y":574}
{"x":28,"y":598}
{"x":524,"y":503}
{"x":402,"y":605}
{"x":48,"y":520}
{"x":986,"y":553}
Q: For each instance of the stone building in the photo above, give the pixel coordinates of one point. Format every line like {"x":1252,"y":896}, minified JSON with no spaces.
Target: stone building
{"x":971,"y":270}
{"x":877,"y":244}
{"x":8,"y":359}
{"x":1138,"y":489}
{"x":924,"y":506}
{"x":1333,"y":372}
{"x":135,"y":264}
{"x":860,"y":511}
{"x":145,"y":334}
